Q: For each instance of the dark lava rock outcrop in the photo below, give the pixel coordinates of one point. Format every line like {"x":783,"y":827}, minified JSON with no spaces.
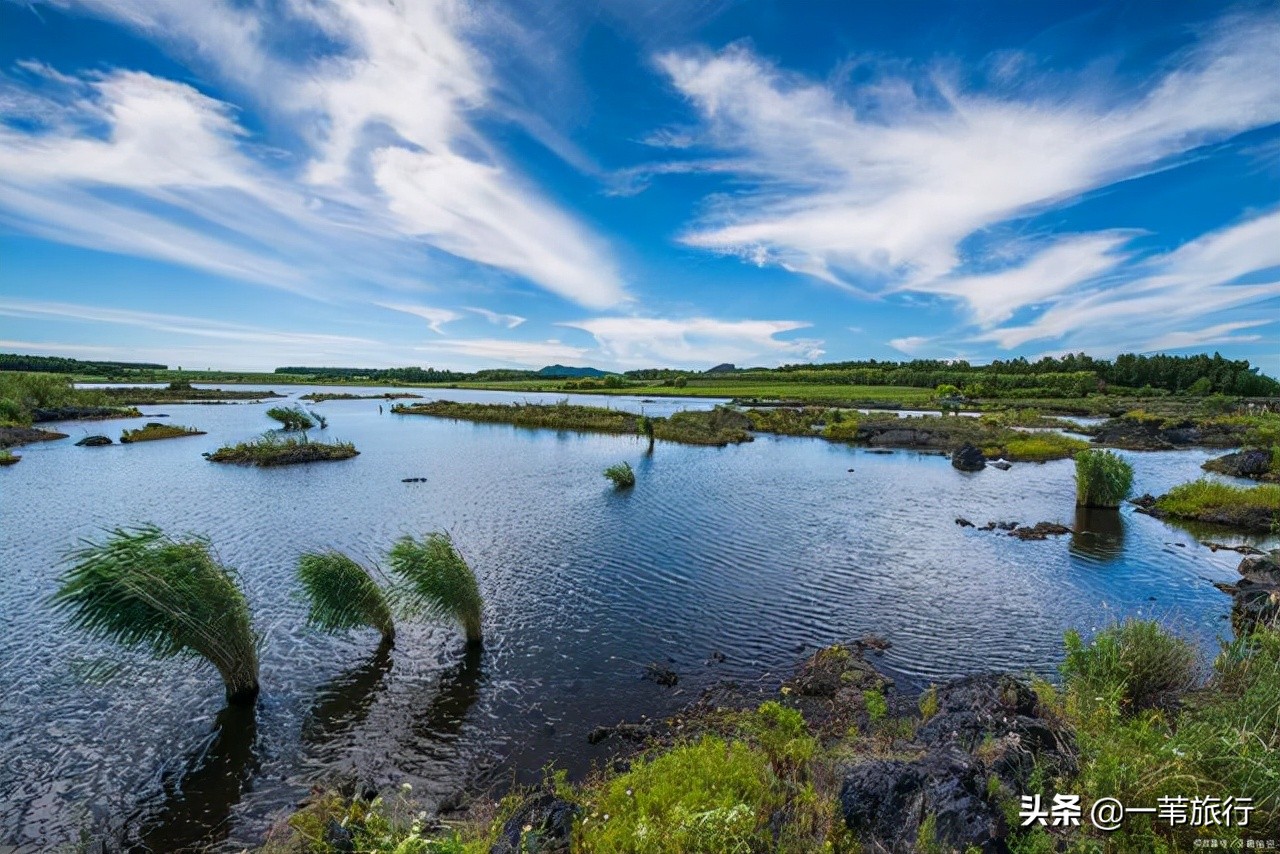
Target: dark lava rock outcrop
{"x":968,"y":458}
{"x":93,"y":442}
{"x":1257,"y":594}
{"x":543,"y":823}
{"x":989,"y":726}
{"x":1254,"y":464}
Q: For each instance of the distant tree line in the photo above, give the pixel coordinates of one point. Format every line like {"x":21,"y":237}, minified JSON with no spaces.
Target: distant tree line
{"x":1075,"y":373}
{"x":59,"y":365}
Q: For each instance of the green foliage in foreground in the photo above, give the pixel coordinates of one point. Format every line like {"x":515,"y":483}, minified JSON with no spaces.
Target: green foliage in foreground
{"x":291,"y":417}
{"x":621,"y":475}
{"x":1221,"y":740}
{"x":437,"y":581}
{"x":343,"y":595}
{"x":273,"y":450}
{"x":140,"y":588}
{"x":156,"y":430}
{"x":1103,"y":479}
{"x":762,"y":780}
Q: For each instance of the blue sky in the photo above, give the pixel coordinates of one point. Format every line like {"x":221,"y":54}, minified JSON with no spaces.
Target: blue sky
{"x":631,"y":184}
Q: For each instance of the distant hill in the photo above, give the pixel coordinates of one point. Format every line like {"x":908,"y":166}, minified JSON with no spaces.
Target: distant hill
{"x":726,"y":368}
{"x":559,"y":371}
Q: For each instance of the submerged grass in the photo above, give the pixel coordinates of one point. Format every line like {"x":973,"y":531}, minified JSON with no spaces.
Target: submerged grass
{"x":1103,"y":479}
{"x":155,"y":430}
{"x":621,"y":474}
{"x":140,"y":588}
{"x":437,"y":581}
{"x":343,"y":595}
{"x":1255,"y":508}
{"x":273,"y":450}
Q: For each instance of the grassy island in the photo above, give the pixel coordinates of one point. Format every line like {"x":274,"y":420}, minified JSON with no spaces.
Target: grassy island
{"x":155,"y":430}
{"x":8,"y":457}
{"x":1255,"y":509}
{"x":322,"y":396}
{"x":273,"y":450}
{"x":720,"y":426}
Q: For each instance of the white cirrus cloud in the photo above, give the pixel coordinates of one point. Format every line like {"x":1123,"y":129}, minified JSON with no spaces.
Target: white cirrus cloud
{"x":505,"y":350}
{"x":880,"y":184}
{"x":510,"y":321}
{"x":1166,"y":297}
{"x":388,"y":165}
{"x":436,"y":318}
{"x":645,"y":342}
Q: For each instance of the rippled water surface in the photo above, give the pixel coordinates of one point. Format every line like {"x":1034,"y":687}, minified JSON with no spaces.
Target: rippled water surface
{"x":756,"y":551}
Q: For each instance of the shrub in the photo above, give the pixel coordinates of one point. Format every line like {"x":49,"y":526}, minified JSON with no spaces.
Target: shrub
{"x":343,"y":595}
{"x":621,"y":475}
{"x":141,"y":588}
{"x":1103,"y":479}
{"x":436,"y":580}
{"x":1128,"y":667}
{"x":291,"y":417}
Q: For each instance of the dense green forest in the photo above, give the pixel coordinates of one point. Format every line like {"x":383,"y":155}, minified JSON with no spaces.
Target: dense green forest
{"x":1073,"y":375}
{"x":59,"y":365}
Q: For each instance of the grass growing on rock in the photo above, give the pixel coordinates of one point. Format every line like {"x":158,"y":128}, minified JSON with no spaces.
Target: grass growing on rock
{"x":1103,"y":479}
{"x":155,"y":430}
{"x":273,"y":450}
{"x":621,"y":474}
{"x":1255,"y":508}
{"x":8,"y":457}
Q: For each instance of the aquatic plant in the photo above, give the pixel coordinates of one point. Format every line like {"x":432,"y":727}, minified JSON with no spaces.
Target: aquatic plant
{"x":343,"y":595}
{"x":273,"y":450}
{"x":437,"y":581}
{"x":141,"y":588}
{"x":8,"y":457}
{"x":156,"y":430}
{"x":1103,"y":479}
{"x":1130,"y":666}
{"x":621,"y":475}
{"x":291,"y":417}
{"x":320,"y":420}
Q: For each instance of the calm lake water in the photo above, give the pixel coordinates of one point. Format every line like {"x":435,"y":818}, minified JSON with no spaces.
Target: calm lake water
{"x":757,"y":551}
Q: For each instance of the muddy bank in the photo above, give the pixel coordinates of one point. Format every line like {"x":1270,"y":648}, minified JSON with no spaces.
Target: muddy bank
{"x":14,"y":436}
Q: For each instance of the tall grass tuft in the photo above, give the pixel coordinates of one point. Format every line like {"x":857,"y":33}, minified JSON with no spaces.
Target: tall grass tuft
{"x":437,"y":581}
{"x":343,"y":595}
{"x":1103,"y":479}
{"x":1131,"y":666}
{"x":140,"y":588}
{"x":291,"y":417}
{"x":621,"y":475}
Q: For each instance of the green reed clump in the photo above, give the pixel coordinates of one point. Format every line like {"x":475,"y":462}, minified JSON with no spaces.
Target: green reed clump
{"x":141,"y":588}
{"x":1130,"y":666}
{"x":292,"y":417}
{"x":1103,"y":479}
{"x":621,"y":475}
{"x":436,"y":580}
{"x":155,"y":430}
{"x":8,"y":457}
{"x":343,"y":595}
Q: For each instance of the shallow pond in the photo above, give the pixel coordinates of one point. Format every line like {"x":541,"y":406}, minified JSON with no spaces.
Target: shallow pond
{"x":757,"y":551}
